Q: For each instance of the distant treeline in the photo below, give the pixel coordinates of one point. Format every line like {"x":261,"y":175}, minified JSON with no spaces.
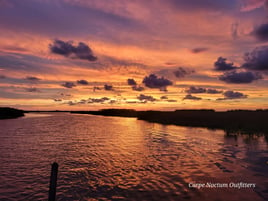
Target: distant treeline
{"x":254,"y":121}
{"x":9,"y":113}
{"x":111,"y":112}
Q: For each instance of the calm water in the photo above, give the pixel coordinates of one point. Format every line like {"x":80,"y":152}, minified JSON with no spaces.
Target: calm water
{"x":113,"y":158}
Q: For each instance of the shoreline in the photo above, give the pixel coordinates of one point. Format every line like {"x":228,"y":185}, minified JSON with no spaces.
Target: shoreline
{"x":232,"y":121}
{"x":10,"y":113}
{"x":242,"y":121}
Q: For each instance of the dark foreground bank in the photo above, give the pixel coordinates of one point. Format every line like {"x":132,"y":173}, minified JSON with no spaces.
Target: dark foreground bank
{"x":248,"y":121}
{"x":9,"y":113}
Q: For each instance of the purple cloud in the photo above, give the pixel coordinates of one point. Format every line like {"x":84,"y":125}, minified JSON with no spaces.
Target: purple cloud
{"x":240,"y":77}
{"x":196,"y":90}
{"x":137,"y":88}
{"x":82,"y":82}
{"x":257,"y":59}
{"x":143,"y":97}
{"x":199,"y":50}
{"x":213,"y":91}
{"x":207,"y":5}
{"x":182,"y":72}
{"x":152,"y":81}
{"x":32,"y":89}
{"x":68,"y":85}
{"x":131,"y":82}
{"x":108,"y":87}
{"x":250,"y":5}
{"x":232,"y":95}
{"x":261,"y":32}
{"x":95,"y":88}
{"x":190,"y":97}
{"x":67,"y":49}
{"x":98,"y":100}
{"x":163,"y":97}
{"x":32,"y":78}
{"x":222,"y":65}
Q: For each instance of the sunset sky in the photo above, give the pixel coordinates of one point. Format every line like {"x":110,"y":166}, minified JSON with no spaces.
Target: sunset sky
{"x":156,"y":54}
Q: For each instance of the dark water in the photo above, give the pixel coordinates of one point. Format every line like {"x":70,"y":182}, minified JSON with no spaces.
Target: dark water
{"x":113,"y":158}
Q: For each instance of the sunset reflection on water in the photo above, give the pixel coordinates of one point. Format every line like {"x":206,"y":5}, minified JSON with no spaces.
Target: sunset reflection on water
{"x":113,"y":158}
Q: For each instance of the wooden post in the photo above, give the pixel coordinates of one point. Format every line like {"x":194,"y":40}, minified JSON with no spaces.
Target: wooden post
{"x":53,"y":182}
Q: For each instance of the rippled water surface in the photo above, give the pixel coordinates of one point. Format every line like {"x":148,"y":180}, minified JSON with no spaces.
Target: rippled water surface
{"x":113,"y":158}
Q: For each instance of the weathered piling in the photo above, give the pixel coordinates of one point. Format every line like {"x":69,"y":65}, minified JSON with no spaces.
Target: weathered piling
{"x":53,"y":182}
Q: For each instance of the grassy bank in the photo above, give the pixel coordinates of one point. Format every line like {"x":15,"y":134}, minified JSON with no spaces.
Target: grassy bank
{"x":230,"y":121}
{"x":9,"y":113}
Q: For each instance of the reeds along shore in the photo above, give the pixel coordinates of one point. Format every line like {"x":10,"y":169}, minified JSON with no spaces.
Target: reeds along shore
{"x":242,"y":121}
{"x":249,"y":121}
{"x":9,"y":113}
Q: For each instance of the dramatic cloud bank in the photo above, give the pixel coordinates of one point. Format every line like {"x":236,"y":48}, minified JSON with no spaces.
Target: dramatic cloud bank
{"x":129,"y":50}
{"x":261,"y":32}
{"x":257,"y":59}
